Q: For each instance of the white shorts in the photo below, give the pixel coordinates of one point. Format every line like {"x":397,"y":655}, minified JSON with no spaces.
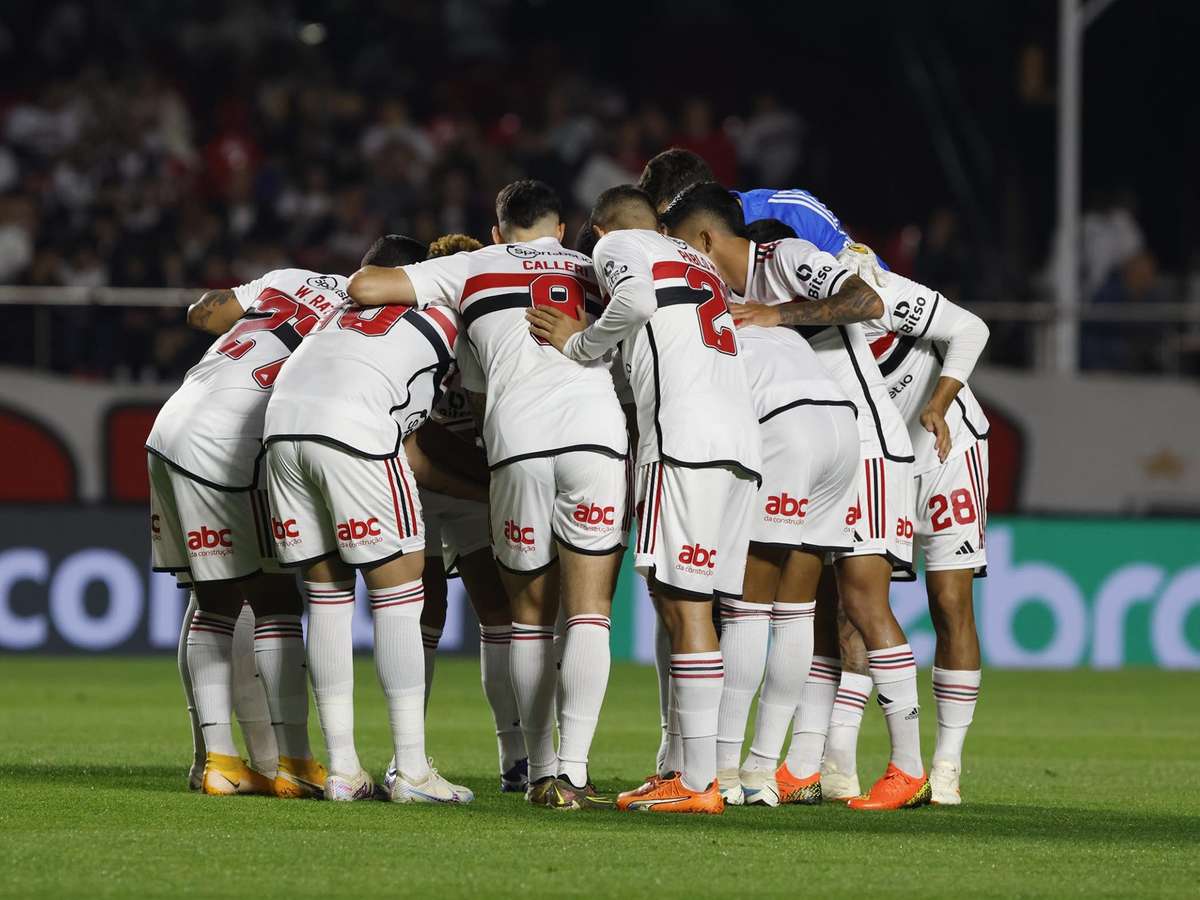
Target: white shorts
{"x":579,"y":499}
{"x":882,"y":516}
{"x":952,"y":512}
{"x":810,"y":468}
{"x":204,"y":532}
{"x":328,"y":501}
{"x":454,"y":528}
{"x":694,"y":528}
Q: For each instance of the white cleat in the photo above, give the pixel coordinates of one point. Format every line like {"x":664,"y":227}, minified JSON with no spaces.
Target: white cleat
{"x":196,"y":775}
{"x":759,"y":788}
{"x":730,"y":786}
{"x":344,"y":790}
{"x":837,"y":785}
{"x":943,"y":781}
{"x":433,"y":789}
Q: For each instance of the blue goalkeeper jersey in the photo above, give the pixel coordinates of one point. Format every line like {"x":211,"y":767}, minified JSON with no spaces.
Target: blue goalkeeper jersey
{"x":811,"y":219}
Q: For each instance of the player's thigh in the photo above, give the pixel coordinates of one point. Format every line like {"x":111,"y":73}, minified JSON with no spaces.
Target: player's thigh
{"x":273,"y":594}
{"x":533,"y":597}
{"x":223,"y":530}
{"x":951,"y":512}
{"x":764,"y":564}
{"x":433,"y":579}
{"x":589,"y":526}
{"x":521,"y":511}
{"x":301,"y":524}
{"x":800,"y":576}
{"x":374,"y":503}
{"x":482,"y":580}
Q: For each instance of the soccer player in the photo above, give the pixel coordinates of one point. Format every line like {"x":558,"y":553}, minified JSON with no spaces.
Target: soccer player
{"x":927,"y":347}
{"x":210,"y":522}
{"x":557,"y":448}
{"x":831,"y":300}
{"x":344,"y":495}
{"x":698,"y":462}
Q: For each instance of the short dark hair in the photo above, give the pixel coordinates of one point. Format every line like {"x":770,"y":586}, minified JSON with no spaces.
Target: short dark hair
{"x":763,"y":231}
{"x":393,"y":250}
{"x":525,"y":202}
{"x":708,"y":199}
{"x":585,"y":238}
{"x":617,"y":200}
{"x":673,"y":171}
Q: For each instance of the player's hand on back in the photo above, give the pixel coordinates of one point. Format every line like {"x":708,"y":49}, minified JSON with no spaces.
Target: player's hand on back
{"x":754,"y":314}
{"x":935,"y":423}
{"x":553,"y":326}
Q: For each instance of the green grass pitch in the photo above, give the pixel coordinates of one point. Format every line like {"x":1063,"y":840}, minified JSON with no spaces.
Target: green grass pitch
{"x":1077,"y":784}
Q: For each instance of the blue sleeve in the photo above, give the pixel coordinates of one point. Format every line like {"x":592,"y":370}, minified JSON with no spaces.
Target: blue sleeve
{"x":807,"y":216}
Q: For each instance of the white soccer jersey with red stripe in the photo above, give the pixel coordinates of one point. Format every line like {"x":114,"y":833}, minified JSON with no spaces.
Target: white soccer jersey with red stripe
{"x":793,"y":269}
{"x":538,"y":402}
{"x":908,"y":345}
{"x":212,"y":427}
{"x":680,"y":350}
{"x":366,"y":379}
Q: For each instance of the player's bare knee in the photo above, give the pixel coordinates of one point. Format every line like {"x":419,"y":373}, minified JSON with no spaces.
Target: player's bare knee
{"x":588,"y":581}
{"x":400,"y":570}
{"x":223,"y":598}
{"x":274,"y":595}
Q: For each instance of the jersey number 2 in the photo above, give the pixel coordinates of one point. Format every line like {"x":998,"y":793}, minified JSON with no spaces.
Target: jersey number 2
{"x":720,"y":339}
{"x":554,"y":291}
{"x":371,"y":322}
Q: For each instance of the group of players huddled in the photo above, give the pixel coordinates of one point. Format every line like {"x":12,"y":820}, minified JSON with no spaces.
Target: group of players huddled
{"x":785,"y":417}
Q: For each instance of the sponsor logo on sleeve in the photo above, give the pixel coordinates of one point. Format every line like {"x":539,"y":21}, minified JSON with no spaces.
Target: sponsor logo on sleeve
{"x":323,"y":282}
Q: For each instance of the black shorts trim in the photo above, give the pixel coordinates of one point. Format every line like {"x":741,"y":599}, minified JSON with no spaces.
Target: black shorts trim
{"x":171,"y":570}
{"x":572,"y":448}
{"x":334,"y":442}
{"x":233,"y":580}
{"x":713,"y":464}
{"x":795,"y":403}
{"x":529,"y":573}
{"x":212,"y":484}
{"x":575,"y":549}
{"x":653,"y":581}
{"x":721,"y":595}
{"x":306,"y":562}
{"x":379,"y":562}
{"x":866,"y":392}
{"x":802,"y":547}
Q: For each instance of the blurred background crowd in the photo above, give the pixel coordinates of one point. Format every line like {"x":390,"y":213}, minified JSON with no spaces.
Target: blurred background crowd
{"x":198,"y":146}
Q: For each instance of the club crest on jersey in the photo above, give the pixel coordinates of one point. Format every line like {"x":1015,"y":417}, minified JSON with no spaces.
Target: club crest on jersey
{"x":322,"y":282}
{"x":521,"y":252}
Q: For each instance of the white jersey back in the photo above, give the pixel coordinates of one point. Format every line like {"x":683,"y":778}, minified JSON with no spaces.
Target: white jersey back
{"x":538,"y":402}
{"x":365,"y":379}
{"x":785,"y":373}
{"x":794,"y":269}
{"x":689,"y":384}
{"x":911,"y":362}
{"x":212,"y":427}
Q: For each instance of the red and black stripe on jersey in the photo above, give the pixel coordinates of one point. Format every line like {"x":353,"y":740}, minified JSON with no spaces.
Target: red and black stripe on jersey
{"x":676,"y":294}
{"x":515,"y":294}
{"x":866,"y":392}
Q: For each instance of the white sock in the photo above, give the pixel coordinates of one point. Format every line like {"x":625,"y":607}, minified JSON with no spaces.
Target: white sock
{"x":956,"y":691}
{"x":331,"y":668}
{"x":400,"y":664}
{"x":744,"y":631}
{"x":812,"y":716}
{"x":789,"y":658}
{"x":250,"y":698}
{"x":534,"y":681}
{"x":210,"y":662}
{"x":894,"y":672}
{"x":697,"y":680}
{"x":841,"y":747}
{"x":430,"y":636}
{"x":181,"y":658}
{"x":279,"y":656}
{"x":495,"y":642}
{"x":583,"y":674}
{"x":662,"y":668}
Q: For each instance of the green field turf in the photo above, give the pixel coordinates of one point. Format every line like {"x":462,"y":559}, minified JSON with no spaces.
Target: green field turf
{"x":1078,"y":784}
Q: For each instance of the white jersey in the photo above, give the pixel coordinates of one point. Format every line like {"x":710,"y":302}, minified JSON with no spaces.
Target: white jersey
{"x":212,"y":427}
{"x":909,"y":344}
{"x":794,"y":269}
{"x":365,"y":380}
{"x":453,"y":411}
{"x":667,"y":311}
{"x":539,"y":403}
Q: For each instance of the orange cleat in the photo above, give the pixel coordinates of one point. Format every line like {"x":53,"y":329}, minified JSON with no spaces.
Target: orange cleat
{"x":299,"y":779}
{"x":664,"y":795}
{"x":895,"y":790}
{"x":804,"y":791}
{"x":225,"y":776}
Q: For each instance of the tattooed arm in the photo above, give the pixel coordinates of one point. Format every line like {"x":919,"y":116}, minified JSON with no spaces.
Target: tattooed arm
{"x":855,"y":301}
{"x":215,"y":312}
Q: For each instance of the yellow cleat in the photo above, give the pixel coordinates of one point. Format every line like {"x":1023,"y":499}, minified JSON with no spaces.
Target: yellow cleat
{"x":299,"y":779}
{"x":228,"y":775}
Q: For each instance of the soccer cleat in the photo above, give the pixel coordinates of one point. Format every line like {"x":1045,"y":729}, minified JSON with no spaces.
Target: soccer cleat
{"x":228,"y":775}
{"x":803,"y":791}
{"x":344,"y":790}
{"x":196,"y":775}
{"x":671,"y":795}
{"x":838,"y":785}
{"x":564,"y":795}
{"x":433,"y":789}
{"x":537,"y":793}
{"x":299,"y":779}
{"x":943,"y":784}
{"x":516,"y":779}
{"x":895,"y":790}
{"x":730,"y":786}
{"x":759,"y":788}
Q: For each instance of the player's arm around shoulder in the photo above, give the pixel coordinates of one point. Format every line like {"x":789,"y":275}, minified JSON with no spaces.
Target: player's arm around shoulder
{"x":215,"y":312}
{"x":445,"y":465}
